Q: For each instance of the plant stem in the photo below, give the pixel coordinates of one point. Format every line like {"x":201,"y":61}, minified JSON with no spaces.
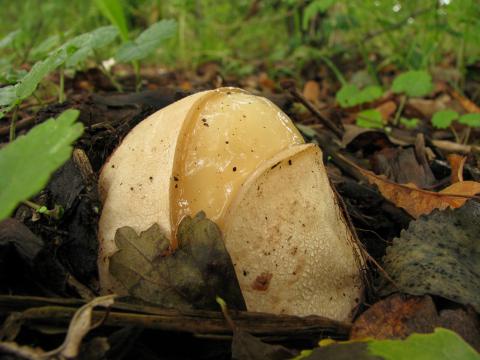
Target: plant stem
{"x":138,"y":80}
{"x":12,"y":123}
{"x":334,"y":69}
{"x":55,"y":213}
{"x":403,"y":101}
{"x":457,"y":138}
{"x":61,"y":92}
{"x":111,"y":77}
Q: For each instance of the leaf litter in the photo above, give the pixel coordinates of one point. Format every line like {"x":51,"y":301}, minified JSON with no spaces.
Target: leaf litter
{"x":438,"y":255}
{"x":190,"y":277}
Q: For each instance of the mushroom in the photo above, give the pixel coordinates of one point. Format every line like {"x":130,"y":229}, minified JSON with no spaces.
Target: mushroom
{"x":240,"y":159}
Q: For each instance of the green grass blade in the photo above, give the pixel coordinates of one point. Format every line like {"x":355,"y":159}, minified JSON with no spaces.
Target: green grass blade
{"x":114,"y":11}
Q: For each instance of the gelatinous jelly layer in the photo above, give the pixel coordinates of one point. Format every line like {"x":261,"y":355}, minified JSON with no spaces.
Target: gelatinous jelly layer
{"x":229,"y":136}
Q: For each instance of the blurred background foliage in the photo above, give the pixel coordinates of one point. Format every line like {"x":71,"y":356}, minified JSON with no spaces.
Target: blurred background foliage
{"x":242,"y":35}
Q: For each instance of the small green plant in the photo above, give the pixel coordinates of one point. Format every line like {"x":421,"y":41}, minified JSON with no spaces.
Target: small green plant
{"x":370,"y":119}
{"x":145,"y":44}
{"x":444,"y":119}
{"x":349,"y":95}
{"x":27,"y":163}
{"x":410,"y":84}
{"x":413,"y":84}
{"x":410,"y":123}
{"x":442,"y":344}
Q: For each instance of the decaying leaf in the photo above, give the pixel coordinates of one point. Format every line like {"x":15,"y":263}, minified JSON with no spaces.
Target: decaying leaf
{"x":421,"y":202}
{"x":438,"y":255}
{"x":456,"y":163}
{"x":191,"y":277}
{"x":466,"y":103}
{"x":245,"y":346}
{"x":400,"y":315}
{"x":396,"y":317}
{"x":80,"y":325}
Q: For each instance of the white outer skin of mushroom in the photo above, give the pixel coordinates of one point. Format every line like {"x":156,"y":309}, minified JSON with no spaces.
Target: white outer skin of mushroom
{"x":291,"y":249}
{"x":150,"y":145}
{"x":136,"y":190}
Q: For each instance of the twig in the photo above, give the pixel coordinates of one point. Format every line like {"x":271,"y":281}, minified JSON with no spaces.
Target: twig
{"x":57,"y":311}
{"x":290,"y":87}
{"x":13,"y":122}
{"x":4,"y":130}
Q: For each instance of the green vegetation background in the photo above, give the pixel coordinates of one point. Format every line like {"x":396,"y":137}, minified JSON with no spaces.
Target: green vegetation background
{"x":241,"y":34}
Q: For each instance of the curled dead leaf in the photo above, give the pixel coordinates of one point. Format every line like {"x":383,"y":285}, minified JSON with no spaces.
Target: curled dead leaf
{"x":418,"y":202}
{"x":387,"y":109}
{"x":456,"y":163}
{"x":466,"y":103}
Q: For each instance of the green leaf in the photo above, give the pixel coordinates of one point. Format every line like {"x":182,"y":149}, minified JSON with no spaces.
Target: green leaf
{"x":114,"y":11}
{"x":349,"y":95}
{"x":27,"y":163}
{"x":7,"y":95}
{"x":84,"y":45}
{"x":413,"y":83}
{"x":443,"y":119}
{"x":369,"y":93}
{"x":443,"y":344}
{"x":9,"y":39}
{"x":147,"y":42}
{"x":371,"y":119}
{"x":306,"y":131}
{"x":345,"y":95}
{"x":472,"y":120}
{"x":409,"y":123}
{"x":29,"y":83}
{"x":314,"y":8}
{"x":198,"y":271}
{"x":45,"y":46}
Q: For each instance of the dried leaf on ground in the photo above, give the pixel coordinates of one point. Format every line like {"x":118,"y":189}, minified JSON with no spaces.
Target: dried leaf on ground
{"x":403,"y":166}
{"x":401,"y":315}
{"x":457,"y":163}
{"x":466,"y":103}
{"x":438,"y":255}
{"x":396,"y":317}
{"x":245,"y":346}
{"x":80,"y":325}
{"x":419,"y":202}
{"x":311,"y":91}
{"x":191,"y":277}
{"x":387,"y":109}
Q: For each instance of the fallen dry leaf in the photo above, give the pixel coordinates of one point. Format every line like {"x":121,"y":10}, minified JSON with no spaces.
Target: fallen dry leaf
{"x":80,"y":325}
{"x":396,"y":317}
{"x":311,"y":91}
{"x":456,"y":163}
{"x":437,"y":255}
{"x":392,"y":162}
{"x":265,"y":82}
{"x":191,"y":277}
{"x":400,"y":315}
{"x":387,"y":109}
{"x":418,"y":202}
{"x":466,"y":103}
